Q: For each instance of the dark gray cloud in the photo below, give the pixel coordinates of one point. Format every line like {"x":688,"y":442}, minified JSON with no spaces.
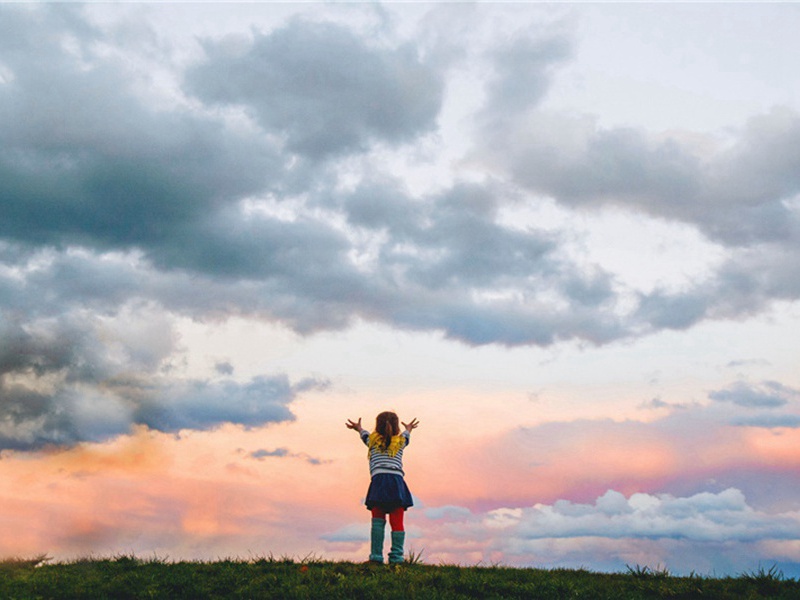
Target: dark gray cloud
{"x":322,"y":87}
{"x":204,"y":405}
{"x":72,"y":373}
{"x":451,"y":240}
{"x":86,"y":161}
{"x":164,"y":187}
{"x":446,"y":262}
{"x":74,"y":412}
{"x":428,"y":271}
{"x":94,"y":165}
{"x":80,"y":377}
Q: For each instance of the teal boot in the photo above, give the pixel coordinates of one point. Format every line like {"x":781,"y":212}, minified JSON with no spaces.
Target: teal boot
{"x":376,"y":536}
{"x":396,"y":552}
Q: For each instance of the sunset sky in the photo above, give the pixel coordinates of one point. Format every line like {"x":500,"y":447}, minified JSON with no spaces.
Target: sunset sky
{"x":565,"y":237}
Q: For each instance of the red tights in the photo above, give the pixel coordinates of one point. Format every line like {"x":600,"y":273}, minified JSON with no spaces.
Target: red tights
{"x":395,"y":517}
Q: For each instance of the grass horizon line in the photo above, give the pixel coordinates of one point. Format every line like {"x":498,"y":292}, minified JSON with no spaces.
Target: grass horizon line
{"x":412,"y":558}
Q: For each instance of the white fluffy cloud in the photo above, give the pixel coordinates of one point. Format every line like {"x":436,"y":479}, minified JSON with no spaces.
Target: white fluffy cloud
{"x":704,"y":517}
{"x":655,"y":530}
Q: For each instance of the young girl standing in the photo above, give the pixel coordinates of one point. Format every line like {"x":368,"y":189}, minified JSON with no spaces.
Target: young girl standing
{"x":388,"y":493}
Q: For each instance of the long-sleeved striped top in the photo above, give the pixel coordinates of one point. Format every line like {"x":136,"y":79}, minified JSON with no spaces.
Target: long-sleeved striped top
{"x":380,"y":461}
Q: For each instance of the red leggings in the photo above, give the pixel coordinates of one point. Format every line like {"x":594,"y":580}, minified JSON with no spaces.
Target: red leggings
{"x":395,"y":517}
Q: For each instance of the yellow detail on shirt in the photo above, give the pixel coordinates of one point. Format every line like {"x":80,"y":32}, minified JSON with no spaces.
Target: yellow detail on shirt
{"x":376,"y":441}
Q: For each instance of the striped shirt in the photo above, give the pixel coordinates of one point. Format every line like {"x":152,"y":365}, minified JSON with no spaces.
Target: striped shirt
{"x":380,"y":461}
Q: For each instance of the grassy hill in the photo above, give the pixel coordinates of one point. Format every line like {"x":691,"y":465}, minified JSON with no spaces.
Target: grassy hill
{"x":129,"y":577}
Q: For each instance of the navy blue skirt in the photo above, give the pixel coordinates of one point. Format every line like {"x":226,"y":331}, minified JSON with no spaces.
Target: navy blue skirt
{"x":388,"y":492}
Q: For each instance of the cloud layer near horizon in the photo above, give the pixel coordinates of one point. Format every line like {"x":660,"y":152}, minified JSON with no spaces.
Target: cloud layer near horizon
{"x":683,"y":532}
{"x":143,"y":493}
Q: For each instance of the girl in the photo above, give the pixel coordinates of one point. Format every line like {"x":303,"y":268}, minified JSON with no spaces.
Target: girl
{"x":388,"y":493}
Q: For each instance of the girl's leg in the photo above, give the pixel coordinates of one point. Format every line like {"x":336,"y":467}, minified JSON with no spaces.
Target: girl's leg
{"x":398,"y":536}
{"x":396,"y":519}
{"x":377,"y":534}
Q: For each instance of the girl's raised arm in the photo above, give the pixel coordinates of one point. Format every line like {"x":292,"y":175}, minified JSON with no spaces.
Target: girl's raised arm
{"x":354,"y":424}
{"x":412,"y":425}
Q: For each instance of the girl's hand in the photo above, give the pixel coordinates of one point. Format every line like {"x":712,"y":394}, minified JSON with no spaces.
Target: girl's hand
{"x":354,"y":424}
{"x":412,"y":425}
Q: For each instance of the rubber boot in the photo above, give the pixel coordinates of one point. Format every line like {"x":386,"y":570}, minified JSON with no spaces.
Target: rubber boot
{"x":376,"y":537}
{"x":396,"y":552}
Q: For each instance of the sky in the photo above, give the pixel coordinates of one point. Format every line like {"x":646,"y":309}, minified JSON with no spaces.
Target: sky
{"x":564,"y":237}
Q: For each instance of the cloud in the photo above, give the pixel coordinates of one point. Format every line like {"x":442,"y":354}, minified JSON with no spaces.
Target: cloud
{"x":224,"y":368}
{"x":449,"y":511}
{"x":202,"y":405}
{"x":582,"y":165}
{"x":677,"y":533}
{"x":705,"y":517}
{"x":739,"y":197}
{"x":768,"y":421}
{"x":694,"y":447}
{"x":447,"y":262}
{"x":350,"y":533}
{"x":262,"y":453}
{"x":87,"y":161}
{"x":322,"y":87}
{"x":768,"y":394}
{"x":119,"y":193}
{"x":189,"y":207}
{"x":747,"y":362}
{"x":192,"y":496}
{"x":522,"y":71}
{"x":702,"y":517}
{"x":79,"y":411}
{"x":259,"y":454}
{"x":303,"y":171}
{"x":265,"y":188}
{"x":80,"y":376}
{"x":659,"y":403}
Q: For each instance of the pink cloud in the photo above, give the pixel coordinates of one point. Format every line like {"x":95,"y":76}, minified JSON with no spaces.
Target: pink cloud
{"x":198,"y":496}
{"x":580,"y":460}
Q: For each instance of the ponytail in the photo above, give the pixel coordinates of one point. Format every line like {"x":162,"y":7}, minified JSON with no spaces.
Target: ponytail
{"x":387,"y":425}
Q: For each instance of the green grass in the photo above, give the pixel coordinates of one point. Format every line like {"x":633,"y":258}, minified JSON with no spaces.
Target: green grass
{"x":124,"y":577}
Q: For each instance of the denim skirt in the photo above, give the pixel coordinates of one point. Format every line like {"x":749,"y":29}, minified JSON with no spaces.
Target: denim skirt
{"x":388,"y":492}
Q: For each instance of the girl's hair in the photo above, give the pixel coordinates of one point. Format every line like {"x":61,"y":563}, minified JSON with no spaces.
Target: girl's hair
{"x":387,"y":425}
